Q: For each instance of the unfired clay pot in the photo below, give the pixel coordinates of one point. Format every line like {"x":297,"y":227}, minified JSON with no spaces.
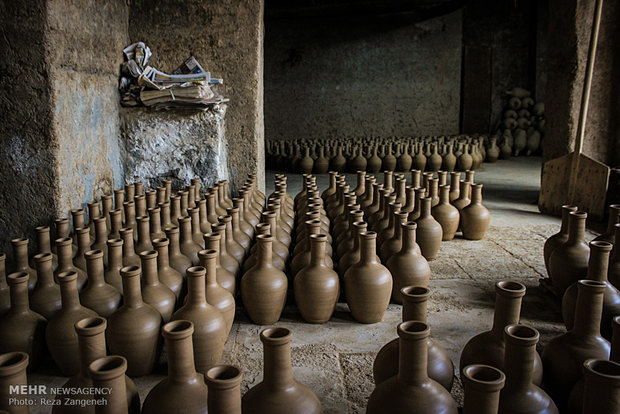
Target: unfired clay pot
{"x":602,"y":386}
{"x":614,"y":217}
{"x":224,"y":383}
{"x":112,"y":274}
{"x":184,"y":390}
{"x":209,"y":326}
{"x":167,"y":274}
{"x":216,"y":295}
{"x":225,"y":278}
{"x":45,"y":297}
{"x":109,"y":372}
{"x":440,"y":366}
{"x":482,"y":385}
{"x":411,"y":390}
{"x":186,"y":242}
{"x":428,"y":233}
{"x":98,"y":295}
{"x":558,"y":239}
{"x":133,"y":330}
{"x":12,"y":373}
{"x":367,"y":283}
{"x":475,"y":218}
{"x":394,"y":244}
{"x":156,"y":294}
{"x":130,"y":258}
{"x":65,"y":262}
{"x":178,"y":261}
{"x":446,"y":214}
{"x":278,"y":392}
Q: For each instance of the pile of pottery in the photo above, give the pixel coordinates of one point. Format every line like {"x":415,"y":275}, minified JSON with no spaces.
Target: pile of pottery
{"x":449,"y":153}
{"x":522,"y":125}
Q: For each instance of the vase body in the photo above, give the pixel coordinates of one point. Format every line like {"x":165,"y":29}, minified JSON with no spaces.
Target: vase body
{"x":408,"y":267}
{"x":482,"y":384}
{"x":133,"y":330}
{"x":367,"y":283}
{"x":263,"y":287}
{"x":317,"y":286}
{"x":429,"y":232}
{"x":45,"y":297}
{"x":209,"y":326}
{"x":12,"y":373}
{"x":475,"y":218}
{"x":279,"y":393}
{"x":216,"y":295}
{"x":98,"y":295}
{"x":411,"y":390}
{"x":489,"y":347}
{"x":21,"y":329}
{"x":446,"y":214}
{"x":154,"y":293}
{"x":184,"y":390}
{"x":60,"y":333}
{"x":520,"y":394}
{"x":569,"y":262}
{"x":558,"y":239}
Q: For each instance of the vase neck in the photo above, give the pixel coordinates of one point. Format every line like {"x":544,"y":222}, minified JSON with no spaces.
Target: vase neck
{"x":45,"y":271}
{"x":317,"y":251}
{"x":408,"y":237}
{"x":163,"y":260}
{"x":94,"y":269}
{"x":368,"y":248}
{"x":589,"y":308}
{"x":507,"y":311}
{"x":413,"y":360}
{"x":148,"y":260}
{"x":115,"y":255}
{"x":598,"y":264}
{"x":91,"y":347}
{"x":155,"y":221}
{"x":132,"y":293}
{"x":174,"y":248}
{"x":196,"y":289}
{"x":18,"y":292}
{"x":476,"y":194}
{"x":69,"y":294}
{"x":576,"y":227}
{"x":265,"y":253}
{"x":20,"y":253}
{"x":185,"y":228}
{"x":43,"y":240}
{"x":519,"y":365}
{"x":278,"y":371}
{"x":180,"y":353}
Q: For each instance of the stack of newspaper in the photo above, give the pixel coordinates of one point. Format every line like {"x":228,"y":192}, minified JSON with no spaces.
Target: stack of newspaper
{"x":188,"y":86}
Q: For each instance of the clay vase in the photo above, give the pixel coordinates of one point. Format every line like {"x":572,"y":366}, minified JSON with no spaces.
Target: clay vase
{"x":65,"y":262}
{"x":184,"y":390}
{"x":167,"y":275}
{"x":44,"y":244}
{"x":558,"y":239}
{"x":83,"y":238}
{"x":239,"y":236}
{"x":492,"y":151}
{"x":394,"y":244}
{"x":235,"y":249}
{"x":353,"y":255}
{"x":614,"y":263}
{"x":614,"y":217}
{"x":210,"y":328}
{"x":434,"y":161}
{"x":564,"y":355}
{"x":520,"y":394}
{"x":154,"y":293}
{"x":130,"y":258}
{"x":5,"y":297}
{"x":116,"y":223}
{"x":429,"y":232}
{"x":129,"y":210}
{"x":20,"y":259}
{"x":21,"y":329}
{"x":449,"y":160}
{"x":109,"y":373}
{"x":321,"y":164}
{"x":465,"y":161}
{"x":455,"y":178}
{"x":475,"y":218}
{"x":245,"y":225}
{"x":306,"y":163}
{"x":408,"y":267}
{"x":602,"y":386}
{"x":373,"y":164}
{"x":188,"y":246}
{"x":446,"y":214}
{"x":155,"y":231}
{"x":420,"y":193}
{"x":359,"y":163}
{"x":367,"y":283}
{"x":112,"y":274}
{"x":224,"y":277}
{"x":385,"y":227}
{"x":98,"y":295}
{"x":133,"y":330}
{"x":91,"y":343}
{"x":440,"y":366}
{"x":228,"y":260}
{"x":45,"y":297}
{"x":569,"y":262}
{"x":60,"y":333}
{"x":331,"y":190}
{"x":411,"y":390}
{"x":488,"y":348}
{"x":279,"y":247}
{"x":178,"y":261}
{"x":263,"y":287}
{"x":597,"y":270}
{"x":316,"y":286}
{"x":216,"y":295}
{"x":278,"y":392}
{"x":12,"y":373}
{"x":463,"y":200}
{"x":339,"y":162}
{"x":224,"y":383}
{"x":482,"y":384}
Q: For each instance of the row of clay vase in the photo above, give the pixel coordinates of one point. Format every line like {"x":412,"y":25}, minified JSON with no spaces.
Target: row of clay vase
{"x":186,"y":390}
{"x":319,"y":157}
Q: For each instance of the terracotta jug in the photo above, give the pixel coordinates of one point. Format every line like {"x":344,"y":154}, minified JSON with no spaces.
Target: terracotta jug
{"x":373,"y":164}
{"x":446,"y":214}
{"x":558,"y":239}
{"x":429,"y":232}
{"x":133,"y":330}
{"x":178,"y":261}
{"x":130,"y":258}
{"x":602,"y":386}
{"x":465,"y":160}
{"x":475,"y":218}
{"x":367,"y":283}
{"x":614,"y":217}
{"x":194,"y":215}
{"x":353,"y":255}
{"x":316,"y":286}
{"x":435,"y":160}
{"x":112,"y":273}
{"x":404,"y":161}
{"x":520,"y":394}
{"x":224,"y":277}
{"x":359,"y":163}
{"x":420,"y":193}
{"x":482,"y":385}
{"x":224,"y":383}
{"x":411,"y":390}
{"x":20,"y":259}
{"x":186,"y":243}
{"x":109,"y":373}
{"x":216,"y":295}
{"x":440,"y":366}
{"x":463,"y":200}
{"x":338,"y":162}
{"x":306,"y":163}
{"x":449,"y":160}
{"x":101,"y":237}
{"x":155,"y":231}
{"x":303,"y":258}
{"x":129,"y":210}
{"x":489,"y":347}
{"x":91,"y":343}
{"x":321,"y":164}
{"x":455,"y":178}
{"x":564,"y":355}
{"x":83,"y":238}
{"x":60,"y":333}
{"x":116,"y":223}
{"x":263,"y":287}
{"x":98,"y":295}
{"x":209,"y":326}
{"x":65,"y":262}
{"x":614,"y":263}
{"x":184,"y":390}
{"x":279,"y":392}
{"x":45,"y":297}
{"x":569,"y":262}
{"x":408,"y":267}
{"x":244,"y":225}
{"x":13,"y":374}
{"x":394,"y":244}
{"x":21,"y":329}
{"x":167,"y":275}
{"x":419,"y":160}
{"x":45,"y":245}
{"x":154,"y":293}
{"x":597,"y":270}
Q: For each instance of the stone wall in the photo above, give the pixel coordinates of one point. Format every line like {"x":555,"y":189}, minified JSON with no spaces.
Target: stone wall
{"x":376,"y":77}
{"x":227,"y":39}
